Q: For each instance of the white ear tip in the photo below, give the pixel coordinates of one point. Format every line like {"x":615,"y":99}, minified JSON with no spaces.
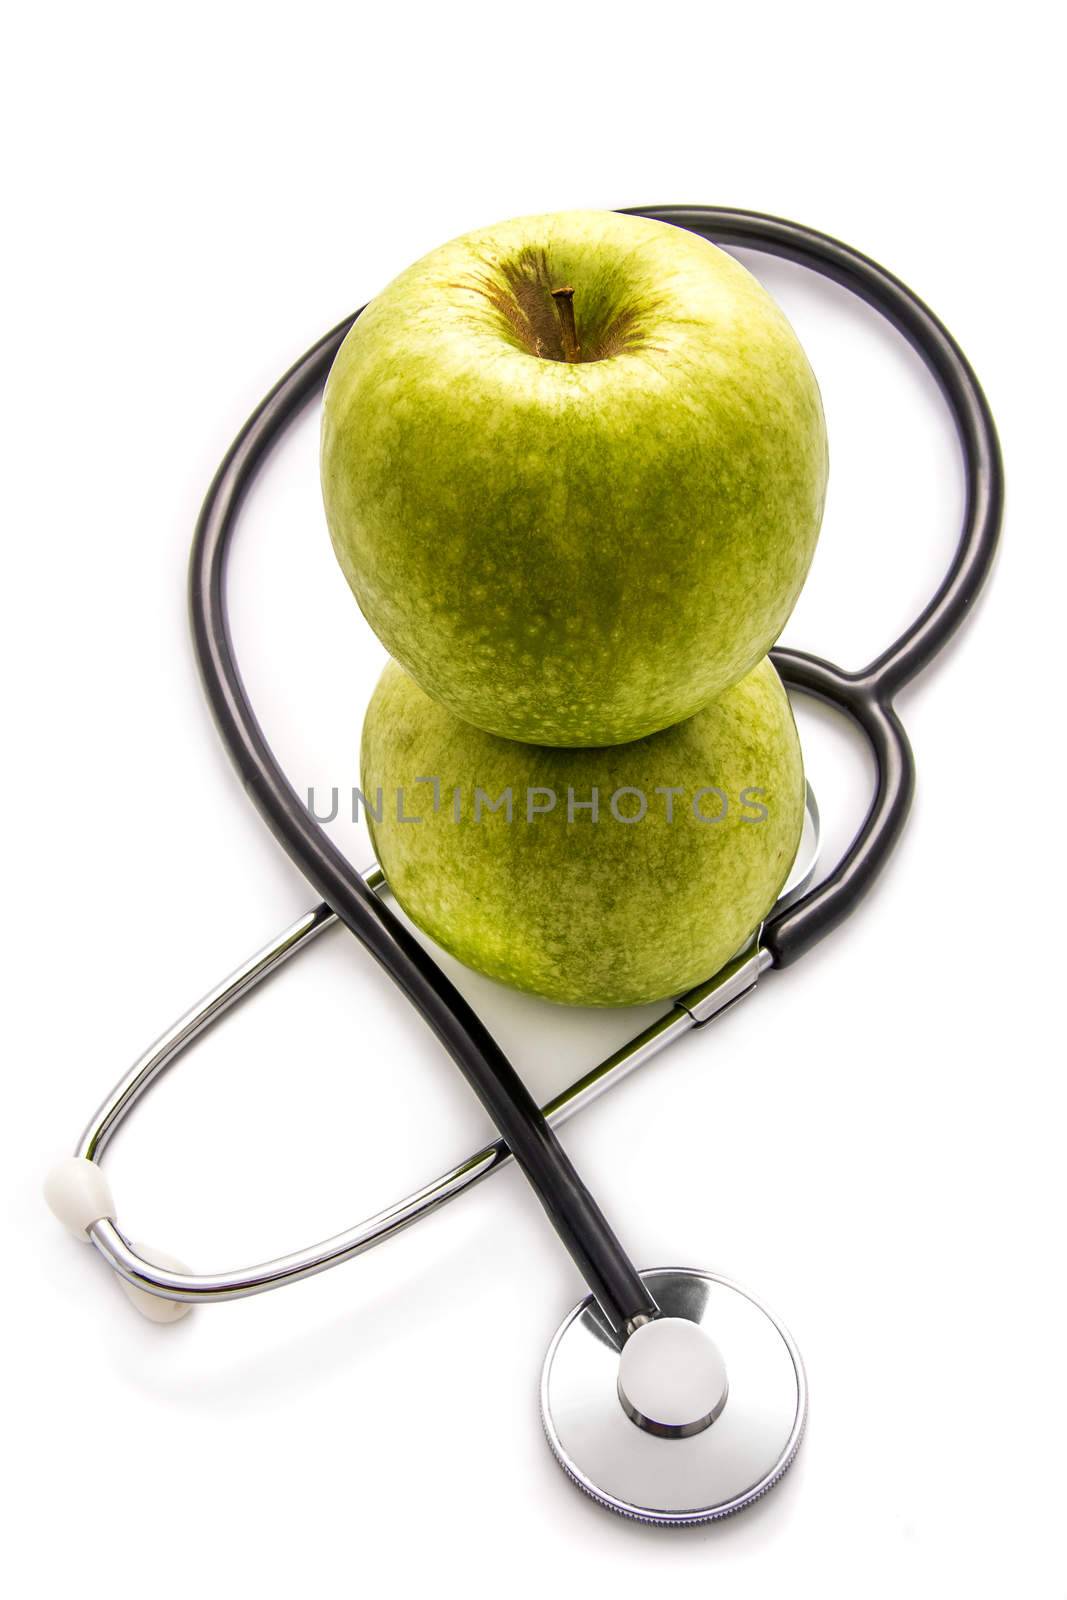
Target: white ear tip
{"x":78,"y":1194}
{"x":153,"y":1306}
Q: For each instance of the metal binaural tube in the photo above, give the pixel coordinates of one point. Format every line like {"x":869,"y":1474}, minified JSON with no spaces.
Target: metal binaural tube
{"x":147,"y":1068}
{"x":240,"y":1282}
{"x":694,"y":1009}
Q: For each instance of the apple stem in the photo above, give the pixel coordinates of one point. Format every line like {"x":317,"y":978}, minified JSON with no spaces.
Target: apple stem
{"x":564,"y":299}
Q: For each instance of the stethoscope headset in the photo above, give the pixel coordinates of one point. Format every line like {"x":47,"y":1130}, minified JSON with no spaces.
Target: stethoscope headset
{"x":672,"y":1396}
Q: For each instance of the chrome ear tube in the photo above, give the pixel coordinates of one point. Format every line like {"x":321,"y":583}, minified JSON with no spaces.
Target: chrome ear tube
{"x":672,"y":1395}
{"x":700,"y":1006}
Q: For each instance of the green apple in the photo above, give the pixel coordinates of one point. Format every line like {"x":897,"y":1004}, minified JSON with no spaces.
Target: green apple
{"x":607,"y":876}
{"x":573,"y":468}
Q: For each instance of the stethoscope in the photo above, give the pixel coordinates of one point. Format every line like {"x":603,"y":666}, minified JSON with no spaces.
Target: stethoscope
{"x":672,"y":1396}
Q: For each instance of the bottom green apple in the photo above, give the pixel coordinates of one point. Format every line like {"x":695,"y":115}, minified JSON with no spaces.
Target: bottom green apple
{"x":600,"y":877}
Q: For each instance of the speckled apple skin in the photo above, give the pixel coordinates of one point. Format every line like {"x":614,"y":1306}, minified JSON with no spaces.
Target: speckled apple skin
{"x":589,"y":913}
{"x":575,"y":554}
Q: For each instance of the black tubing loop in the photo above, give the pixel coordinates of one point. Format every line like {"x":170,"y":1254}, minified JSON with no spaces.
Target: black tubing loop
{"x":935,"y":346}
{"x":574,"y":1213}
{"x":866,"y":696}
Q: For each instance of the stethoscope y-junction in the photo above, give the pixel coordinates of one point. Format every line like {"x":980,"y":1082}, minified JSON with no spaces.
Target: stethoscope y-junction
{"x":673,"y":1395}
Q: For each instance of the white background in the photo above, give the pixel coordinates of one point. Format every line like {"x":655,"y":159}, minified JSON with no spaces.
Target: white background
{"x":873,"y":1143}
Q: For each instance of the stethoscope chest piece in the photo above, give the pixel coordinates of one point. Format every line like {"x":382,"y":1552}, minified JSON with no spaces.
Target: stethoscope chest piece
{"x":674,"y":1397}
{"x":732,"y":1404}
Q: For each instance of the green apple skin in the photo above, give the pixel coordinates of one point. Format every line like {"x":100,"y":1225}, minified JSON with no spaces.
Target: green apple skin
{"x":574,"y":552}
{"x":594,"y":913}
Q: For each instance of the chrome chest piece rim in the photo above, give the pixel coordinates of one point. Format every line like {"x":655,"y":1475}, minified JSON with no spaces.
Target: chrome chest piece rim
{"x":677,"y":1481}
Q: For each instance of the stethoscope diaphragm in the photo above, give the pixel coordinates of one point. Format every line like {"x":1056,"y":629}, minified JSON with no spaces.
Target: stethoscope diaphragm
{"x":677,"y":1476}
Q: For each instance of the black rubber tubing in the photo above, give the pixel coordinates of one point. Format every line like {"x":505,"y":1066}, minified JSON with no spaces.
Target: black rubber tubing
{"x":865,"y":696}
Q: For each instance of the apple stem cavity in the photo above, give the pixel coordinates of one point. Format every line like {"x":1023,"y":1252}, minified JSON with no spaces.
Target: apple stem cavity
{"x":564,"y":302}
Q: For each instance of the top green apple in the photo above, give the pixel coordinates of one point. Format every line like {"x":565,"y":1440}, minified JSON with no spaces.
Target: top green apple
{"x":574,"y":468}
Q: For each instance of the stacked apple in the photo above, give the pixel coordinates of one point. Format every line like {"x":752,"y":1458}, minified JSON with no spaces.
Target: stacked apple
{"x":574,"y":470}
